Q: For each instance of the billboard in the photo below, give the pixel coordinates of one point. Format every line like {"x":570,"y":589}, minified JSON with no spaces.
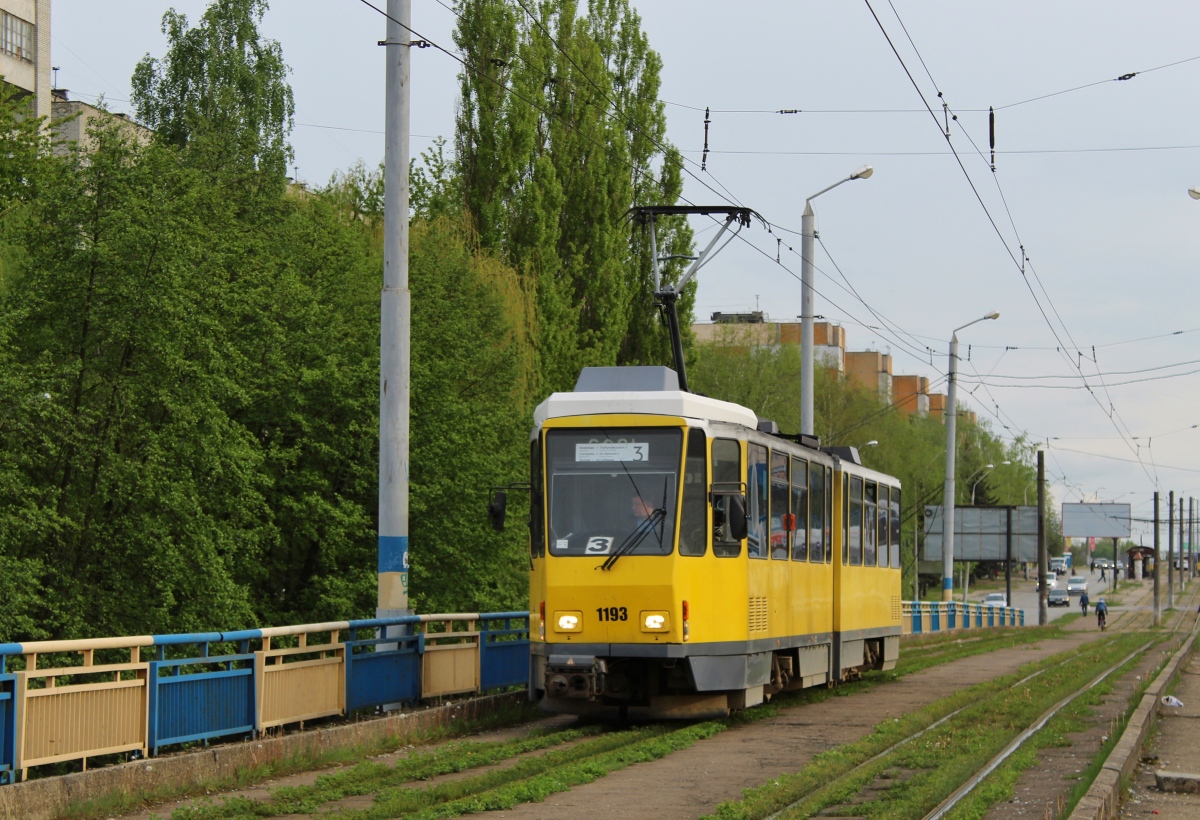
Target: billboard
{"x":1096,"y":520}
{"x":981,"y":533}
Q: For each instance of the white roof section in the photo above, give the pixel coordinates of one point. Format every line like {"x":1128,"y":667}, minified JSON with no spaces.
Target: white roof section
{"x":655,"y":403}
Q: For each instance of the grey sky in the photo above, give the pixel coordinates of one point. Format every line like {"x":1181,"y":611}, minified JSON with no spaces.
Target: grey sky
{"x":1111,"y":233}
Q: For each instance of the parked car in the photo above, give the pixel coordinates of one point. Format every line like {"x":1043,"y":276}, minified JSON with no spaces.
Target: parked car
{"x":1058,"y":597}
{"x":995,"y":599}
{"x":1076,"y":585}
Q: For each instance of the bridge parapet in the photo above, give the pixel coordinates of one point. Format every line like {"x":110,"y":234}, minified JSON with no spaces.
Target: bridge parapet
{"x":922,"y":617}
{"x":59,"y":701}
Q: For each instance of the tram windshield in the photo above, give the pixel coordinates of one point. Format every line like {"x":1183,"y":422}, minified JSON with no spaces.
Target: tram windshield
{"x":613,"y":491}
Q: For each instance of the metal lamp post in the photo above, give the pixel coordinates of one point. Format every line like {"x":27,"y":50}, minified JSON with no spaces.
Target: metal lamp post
{"x":987,"y":468}
{"x":951,"y":432}
{"x":807,"y":235}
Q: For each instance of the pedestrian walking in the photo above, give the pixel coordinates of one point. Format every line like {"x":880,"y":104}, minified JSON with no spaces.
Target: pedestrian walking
{"x":1083,"y":602}
{"x":1101,"y":573}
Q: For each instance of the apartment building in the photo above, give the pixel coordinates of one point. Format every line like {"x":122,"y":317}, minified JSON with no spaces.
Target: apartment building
{"x":872,"y":371}
{"x":910,"y":394}
{"x":72,"y":118}
{"x":25,"y":50}
{"x":751,"y":330}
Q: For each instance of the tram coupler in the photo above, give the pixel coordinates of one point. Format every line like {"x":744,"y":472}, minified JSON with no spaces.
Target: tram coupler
{"x":580,"y":677}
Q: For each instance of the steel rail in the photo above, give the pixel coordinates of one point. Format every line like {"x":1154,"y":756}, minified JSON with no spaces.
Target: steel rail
{"x":965,"y":789}
{"x":898,"y":744}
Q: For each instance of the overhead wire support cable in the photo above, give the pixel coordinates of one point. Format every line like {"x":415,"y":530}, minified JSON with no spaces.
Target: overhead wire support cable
{"x":983,"y":205}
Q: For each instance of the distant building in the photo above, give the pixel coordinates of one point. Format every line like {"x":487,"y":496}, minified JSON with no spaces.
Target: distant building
{"x":910,"y":394}
{"x":868,"y":369}
{"x":872,"y":371}
{"x":749,"y":330}
{"x":25,"y":50}
{"x":70,"y":120}
{"x":937,"y":406}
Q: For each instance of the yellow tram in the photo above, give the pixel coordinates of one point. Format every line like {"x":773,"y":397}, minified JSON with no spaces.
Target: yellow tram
{"x":687,"y":560}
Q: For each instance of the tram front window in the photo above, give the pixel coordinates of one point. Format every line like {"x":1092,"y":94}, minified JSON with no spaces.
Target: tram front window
{"x":613,"y":491}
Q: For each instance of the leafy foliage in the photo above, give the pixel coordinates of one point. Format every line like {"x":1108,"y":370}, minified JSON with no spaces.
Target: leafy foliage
{"x":221,"y":85}
{"x":559,"y":134}
{"x":189,"y":345}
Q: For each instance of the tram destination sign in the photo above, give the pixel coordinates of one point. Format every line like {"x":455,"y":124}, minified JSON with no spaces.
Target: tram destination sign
{"x":1096,"y":520}
{"x":981,"y":533}
{"x":612,"y":451}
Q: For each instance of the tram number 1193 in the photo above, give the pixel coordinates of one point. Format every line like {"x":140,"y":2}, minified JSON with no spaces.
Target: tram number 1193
{"x":612,"y":613}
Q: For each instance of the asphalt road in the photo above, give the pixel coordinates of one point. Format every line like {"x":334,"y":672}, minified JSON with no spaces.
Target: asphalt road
{"x":1025,"y":595}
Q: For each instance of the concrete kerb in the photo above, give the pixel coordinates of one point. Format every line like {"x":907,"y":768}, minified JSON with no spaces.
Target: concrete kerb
{"x":50,"y":797}
{"x":1103,"y":799}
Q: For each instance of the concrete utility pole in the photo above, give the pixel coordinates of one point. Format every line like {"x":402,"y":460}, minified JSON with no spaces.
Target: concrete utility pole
{"x":1043,"y":615}
{"x":1170,"y":549}
{"x":1191,"y":537}
{"x":395,"y":324}
{"x":1157,"y":562}
{"x":948,"y":500}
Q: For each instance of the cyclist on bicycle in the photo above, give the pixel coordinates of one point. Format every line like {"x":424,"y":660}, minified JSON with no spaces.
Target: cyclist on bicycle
{"x":1101,"y":613}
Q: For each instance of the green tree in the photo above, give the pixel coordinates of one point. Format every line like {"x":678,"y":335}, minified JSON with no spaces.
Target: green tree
{"x":559,"y":134}
{"x":221,"y":87}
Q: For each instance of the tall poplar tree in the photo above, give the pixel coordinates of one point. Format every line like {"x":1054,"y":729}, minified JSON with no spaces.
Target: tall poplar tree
{"x":560,"y":132}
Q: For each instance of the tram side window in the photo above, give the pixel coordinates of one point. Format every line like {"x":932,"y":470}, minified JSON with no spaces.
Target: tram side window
{"x":726,"y":471}
{"x":870,"y":509}
{"x":829,"y":515}
{"x":895,"y":528}
{"x":882,"y":532}
{"x":756,"y":480}
{"x":816,"y":521}
{"x":537,"y":539}
{"x":856,"y":521}
{"x":781,"y":515}
{"x":800,"y":517}
{"x":693,"y":516}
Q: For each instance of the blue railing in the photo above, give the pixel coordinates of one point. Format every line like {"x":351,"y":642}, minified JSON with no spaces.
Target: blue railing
{"x":921,"y":617}
{"x":8,"y":726}
{"x":196,"y":687}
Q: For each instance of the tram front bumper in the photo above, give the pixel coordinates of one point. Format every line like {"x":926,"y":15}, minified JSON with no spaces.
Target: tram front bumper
{"x":579,"y":677}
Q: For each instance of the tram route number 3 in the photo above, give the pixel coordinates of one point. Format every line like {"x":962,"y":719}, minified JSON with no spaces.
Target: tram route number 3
{"x":612,"y":613}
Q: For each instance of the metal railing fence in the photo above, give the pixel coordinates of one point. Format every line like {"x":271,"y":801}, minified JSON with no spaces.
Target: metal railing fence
{"x":923,"y":617}
{"x":65,"y":703}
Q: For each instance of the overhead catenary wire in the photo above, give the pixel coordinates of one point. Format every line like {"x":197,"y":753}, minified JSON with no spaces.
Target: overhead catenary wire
{"x":1019,"y":263}
{"x":471,"y":67}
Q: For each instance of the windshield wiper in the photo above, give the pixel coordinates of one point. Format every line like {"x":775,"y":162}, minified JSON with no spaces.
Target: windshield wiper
{"x":654,"y":521}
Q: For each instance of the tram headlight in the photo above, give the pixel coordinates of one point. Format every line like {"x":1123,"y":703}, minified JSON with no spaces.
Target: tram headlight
{"x":655,"y":621}
{"x":568,"y":621}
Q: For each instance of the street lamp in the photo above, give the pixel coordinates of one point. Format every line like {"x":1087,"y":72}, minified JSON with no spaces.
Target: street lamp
{"x":987,"y":468}
{"x":951,"y":432}
{"x":870,"y":443}
{"x":807,"y":235}
{"x":1194,"y":193}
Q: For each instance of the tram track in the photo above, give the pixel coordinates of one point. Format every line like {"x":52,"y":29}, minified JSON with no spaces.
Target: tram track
{"x":843,"y":792}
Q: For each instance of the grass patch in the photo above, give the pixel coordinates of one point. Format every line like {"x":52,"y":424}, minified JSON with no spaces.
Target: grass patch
{"x":123,"y":802}
{"x":992,"y":714}
{"x":370,"y":776}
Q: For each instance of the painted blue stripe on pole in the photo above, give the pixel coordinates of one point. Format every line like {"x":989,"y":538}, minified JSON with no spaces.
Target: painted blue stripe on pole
{"x":947,"y":583}
{"x":393,"y":553}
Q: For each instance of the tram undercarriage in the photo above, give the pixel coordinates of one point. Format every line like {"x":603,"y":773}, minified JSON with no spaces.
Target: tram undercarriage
{"x":696,"y":686}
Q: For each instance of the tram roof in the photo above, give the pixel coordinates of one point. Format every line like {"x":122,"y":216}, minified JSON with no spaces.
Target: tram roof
{"x":638,"y":390}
